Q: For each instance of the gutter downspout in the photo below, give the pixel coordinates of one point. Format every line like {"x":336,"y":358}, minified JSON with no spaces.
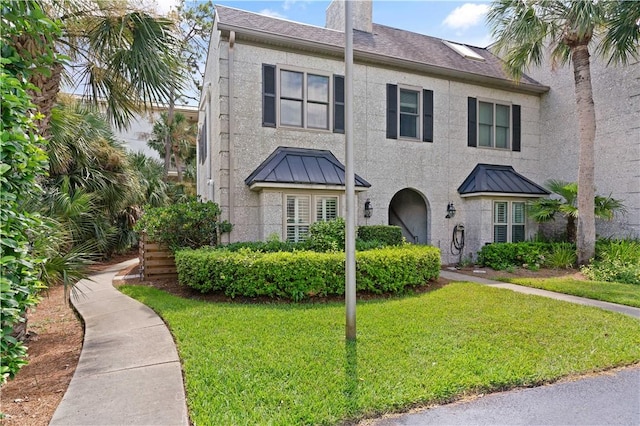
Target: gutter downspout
{"x":230,"y":191}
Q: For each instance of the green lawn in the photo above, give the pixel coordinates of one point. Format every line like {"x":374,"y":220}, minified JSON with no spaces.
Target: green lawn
{"x":624,"y":294}
{"x":289,"y":364}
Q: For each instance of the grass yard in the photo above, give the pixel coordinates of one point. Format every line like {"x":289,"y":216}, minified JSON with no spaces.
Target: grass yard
{"x":623,"y":294}
{"x":288,"y":364}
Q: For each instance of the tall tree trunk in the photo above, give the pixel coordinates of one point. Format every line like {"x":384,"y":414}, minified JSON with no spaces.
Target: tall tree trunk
{"x":48,"y":85}
{"x":168,"y":143}
{"x":586,"y":238}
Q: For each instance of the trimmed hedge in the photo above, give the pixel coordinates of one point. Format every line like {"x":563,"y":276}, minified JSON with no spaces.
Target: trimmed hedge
{"x":302,"y":274}
{"x":387,"y":234}
{"x":501,"y":256}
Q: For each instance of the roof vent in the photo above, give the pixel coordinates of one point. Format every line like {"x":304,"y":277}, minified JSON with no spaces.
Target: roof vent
{"x":464,"y":51}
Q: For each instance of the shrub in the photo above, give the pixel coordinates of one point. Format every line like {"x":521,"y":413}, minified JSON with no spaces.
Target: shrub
{"x":271,"y":246}
{"x":191,"y":224}
{"x":301,"y":274}
{"x":500,"y":256}
{"x":326,"y":236}
{"x":389,"y":235}
{"x":562,"y":255}
{"x":616,"y":261}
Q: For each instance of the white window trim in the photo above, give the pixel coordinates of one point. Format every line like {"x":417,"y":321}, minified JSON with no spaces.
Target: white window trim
{"x":313,"y":212}
{"x":509,"y":132}
{"x":509,"y":222}
{"x":305,"y":71}
{"x":420,"y":112}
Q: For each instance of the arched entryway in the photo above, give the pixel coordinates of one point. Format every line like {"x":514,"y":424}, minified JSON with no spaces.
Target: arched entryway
{"x":408,"y":210}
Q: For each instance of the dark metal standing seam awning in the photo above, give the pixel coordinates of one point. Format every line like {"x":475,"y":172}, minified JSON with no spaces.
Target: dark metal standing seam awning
{"x":492,"y":179}
{"x":301,"y":166}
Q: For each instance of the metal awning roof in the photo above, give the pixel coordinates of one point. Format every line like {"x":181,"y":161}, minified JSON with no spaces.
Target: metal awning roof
{"x":492,"y":179}
{"x":301,"y":166}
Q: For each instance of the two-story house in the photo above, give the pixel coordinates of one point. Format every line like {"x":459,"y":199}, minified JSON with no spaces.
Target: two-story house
{"x":436,"y":125}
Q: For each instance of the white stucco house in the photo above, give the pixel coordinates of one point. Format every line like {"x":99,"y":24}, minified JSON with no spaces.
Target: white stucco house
{"x":437,"y":124}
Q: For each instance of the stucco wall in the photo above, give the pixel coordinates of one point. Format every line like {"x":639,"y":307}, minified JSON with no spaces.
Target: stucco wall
{"x":616,"y":92}
{"x":433,"y":169}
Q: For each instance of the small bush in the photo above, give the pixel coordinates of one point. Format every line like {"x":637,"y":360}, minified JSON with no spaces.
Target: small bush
{"x":562,"y":255}
{"x":616,"y":261}
{"x":191,"y":224}
{"x":389,"y":235}
{"x":326,"y":236}
{"x":500,"y":256}
{"x":301,"y":274}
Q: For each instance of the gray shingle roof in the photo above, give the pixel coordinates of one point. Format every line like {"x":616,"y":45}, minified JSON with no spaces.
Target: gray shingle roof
{"x":301,"y":166}
{"x":384,"y":43}
{"x":494,"y":178}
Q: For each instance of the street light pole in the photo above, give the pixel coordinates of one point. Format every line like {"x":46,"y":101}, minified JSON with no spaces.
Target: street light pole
{"x":350,"y":234}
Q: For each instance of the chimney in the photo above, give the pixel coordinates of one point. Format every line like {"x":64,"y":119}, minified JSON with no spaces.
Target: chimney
{"x":362,"y":15}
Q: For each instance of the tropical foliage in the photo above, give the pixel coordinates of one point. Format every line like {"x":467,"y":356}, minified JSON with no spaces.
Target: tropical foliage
{"x":546,"y":209}
{"x":22,"y":161}
{"x":569,"y":31}
{"x":181,"y":134}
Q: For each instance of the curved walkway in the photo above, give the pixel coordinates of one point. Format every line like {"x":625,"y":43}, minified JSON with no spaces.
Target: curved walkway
{"x":129,"y":372}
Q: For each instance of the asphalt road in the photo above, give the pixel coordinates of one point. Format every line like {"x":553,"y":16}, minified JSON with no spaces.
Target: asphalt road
{"x":611,"y":398}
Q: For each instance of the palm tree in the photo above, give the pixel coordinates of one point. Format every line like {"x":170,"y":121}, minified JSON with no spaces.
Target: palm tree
{"x":572,"y":29}
{"x":545,"y":209}
{"x":121,"y":56}
{"x":181,"y":134}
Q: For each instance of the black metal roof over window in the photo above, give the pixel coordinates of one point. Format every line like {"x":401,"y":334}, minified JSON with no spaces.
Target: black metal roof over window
{"x":497,"y":179}
{"x":301,"y":166}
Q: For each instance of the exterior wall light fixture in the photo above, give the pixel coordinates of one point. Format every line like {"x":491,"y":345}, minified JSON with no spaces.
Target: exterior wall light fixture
{"x":368,"y":208}
{"x":451,"y":211}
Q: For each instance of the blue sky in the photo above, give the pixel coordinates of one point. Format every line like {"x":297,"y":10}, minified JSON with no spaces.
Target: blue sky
{"x":460,"y":21}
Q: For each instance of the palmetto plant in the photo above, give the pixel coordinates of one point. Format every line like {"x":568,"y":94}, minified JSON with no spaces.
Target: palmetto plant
{"x":569,"y":31}
{"x":545,"y":209}
{"x":115,"y":54}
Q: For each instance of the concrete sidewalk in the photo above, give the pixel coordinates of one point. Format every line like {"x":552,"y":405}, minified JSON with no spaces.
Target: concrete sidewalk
{"x":129,"y":372}
{"x":627,"y":310}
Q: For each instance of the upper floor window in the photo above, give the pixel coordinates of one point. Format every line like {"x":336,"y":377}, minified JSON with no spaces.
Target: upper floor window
{"x":308,"y":100}
{"x":508,"y":221}
{"x":304,"y":100}
{"x":409,"y":113}
{"x":494,"y":122}
{"x":493,"y":125}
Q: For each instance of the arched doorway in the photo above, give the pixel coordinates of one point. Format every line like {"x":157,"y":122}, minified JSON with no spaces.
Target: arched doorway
{"x":408,"y":210}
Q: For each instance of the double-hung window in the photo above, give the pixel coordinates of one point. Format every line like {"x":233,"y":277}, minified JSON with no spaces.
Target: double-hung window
{"x":409,"y":113}
{"x":302,"y":99}
{"x":409,"y":116}
{"x":493,"y":125}
{"x":300,"y":215}
{"x":508,"y":221}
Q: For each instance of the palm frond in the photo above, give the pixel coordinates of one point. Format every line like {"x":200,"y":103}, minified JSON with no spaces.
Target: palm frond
{"x":621,"y":38}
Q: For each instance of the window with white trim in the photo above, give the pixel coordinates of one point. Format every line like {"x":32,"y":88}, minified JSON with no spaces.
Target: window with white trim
{"x":508,"y":221}
{"x":299,"y":215}
{"x":409,"y":116}
{"x":494,"y":123}
{"x":304,"y":99}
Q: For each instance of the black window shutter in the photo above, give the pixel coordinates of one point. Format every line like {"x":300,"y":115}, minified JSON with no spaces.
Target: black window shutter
{"x":338,"y":104}
{"x":472,"y":138}
{"x":427,"y":115}
{"x":515,"y":114}
{"x":392,"y":111}
{"x":268,"y":95}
